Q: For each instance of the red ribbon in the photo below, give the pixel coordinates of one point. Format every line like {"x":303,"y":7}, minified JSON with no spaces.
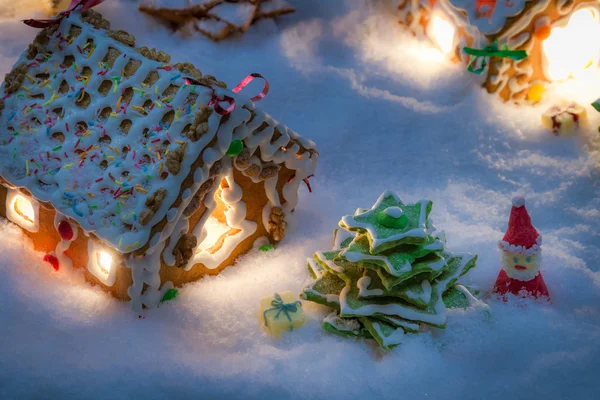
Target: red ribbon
{"x":215,"y":100}
{"x":81,"y":5}
{"x":249,"y":79}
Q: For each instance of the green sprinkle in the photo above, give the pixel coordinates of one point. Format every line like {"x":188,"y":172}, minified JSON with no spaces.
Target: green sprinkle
{"x":235,"y":148}
{"x":93,"y":206}
{"x":171,"y":294}
{"x":266,"y":247}
{"x":57,"y":148}
{"x":118,"y":207}
{"x":21,"y":95}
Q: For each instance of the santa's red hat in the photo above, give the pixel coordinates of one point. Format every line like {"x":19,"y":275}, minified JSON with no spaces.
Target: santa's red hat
{"x":521,"y":236}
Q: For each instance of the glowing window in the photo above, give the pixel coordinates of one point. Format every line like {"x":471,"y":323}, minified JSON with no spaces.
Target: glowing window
{"x":22,"y":211}
{"x":441,"y":32}
{"x":573,"y":48}
{"x":101,"y":263}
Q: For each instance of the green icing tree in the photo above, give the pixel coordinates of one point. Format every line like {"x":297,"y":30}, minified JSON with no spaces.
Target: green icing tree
{"x":388,"y":274}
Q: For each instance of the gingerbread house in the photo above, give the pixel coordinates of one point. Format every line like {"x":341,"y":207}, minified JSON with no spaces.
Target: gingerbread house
{"x":143,"y":173}
{"x":560,"y":38}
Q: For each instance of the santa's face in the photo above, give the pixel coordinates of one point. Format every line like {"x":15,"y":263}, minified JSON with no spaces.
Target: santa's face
{"x":521,"y":266}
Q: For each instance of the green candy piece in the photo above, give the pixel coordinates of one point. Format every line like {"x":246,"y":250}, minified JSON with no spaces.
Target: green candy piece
{"x":408,"y":326}
{"x":266,"y":247}
{"x":170,"y":294}
{"x":235,"y":148}
{"x":392,"y":217}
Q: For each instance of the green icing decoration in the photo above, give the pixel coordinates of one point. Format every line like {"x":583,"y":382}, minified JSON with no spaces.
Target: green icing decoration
{"x":266,"y":247}
{"x":382,"y":237}
{"x":170,"y":294}
{"x":388,"y":275}
{"x":235,"y":148}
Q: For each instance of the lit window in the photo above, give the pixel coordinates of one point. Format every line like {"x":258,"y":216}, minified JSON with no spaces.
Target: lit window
{"x":571,"y":49}
{"x":22,"y":211}
{"x":441,"y":32}
{"x":104,"y":261}
{"x":101,"y":263}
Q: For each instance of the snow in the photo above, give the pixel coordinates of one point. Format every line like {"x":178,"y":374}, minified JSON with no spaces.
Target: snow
{"x":387,"y":112}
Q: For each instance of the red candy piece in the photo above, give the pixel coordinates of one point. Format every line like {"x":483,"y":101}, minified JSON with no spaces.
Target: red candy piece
{"x":49,"y":258}
{"x":65,"y":231}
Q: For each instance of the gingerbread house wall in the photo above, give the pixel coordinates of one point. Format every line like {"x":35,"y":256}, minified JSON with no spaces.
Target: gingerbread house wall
{"x":47,"y":238}
{"x":254,"y":196}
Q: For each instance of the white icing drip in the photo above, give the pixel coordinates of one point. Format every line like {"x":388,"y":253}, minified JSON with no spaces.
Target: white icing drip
{"x":339,"y":236}
{"x":329,"y":263}
{"x":424,"y":296}
{"x":181,"y":228}
{"x":363,"y":288}
{"x":394,"y":338}
{"x":62,"y":246}
{"x":145,"y":270}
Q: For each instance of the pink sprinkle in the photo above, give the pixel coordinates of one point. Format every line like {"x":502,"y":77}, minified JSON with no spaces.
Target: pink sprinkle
{"x":169,"y":137}
{"x":31,"y":64}
{"x":67,"y":125}
{"x":99,"y":179}
{"x":6,"y":97}
{"x":90,"y":221}
{"x":39,"y":156}
{"x":153,"y":161}
{"x":133,"y":158}
{"x":155,"y":140}
{"x":77,"y":144}
{"x":65,"y":153}
{"x":11,"y":139}
{"x":79,"y":49}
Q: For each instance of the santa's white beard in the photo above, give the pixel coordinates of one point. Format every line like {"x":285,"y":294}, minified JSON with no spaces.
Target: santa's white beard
{"x":533,"y":268}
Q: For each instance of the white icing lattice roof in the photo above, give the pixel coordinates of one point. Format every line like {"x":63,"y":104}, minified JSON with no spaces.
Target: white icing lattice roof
{"x":90,"y":134}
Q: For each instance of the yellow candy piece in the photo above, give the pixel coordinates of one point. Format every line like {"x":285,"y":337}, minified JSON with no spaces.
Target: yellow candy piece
{"x":275,"y":309}
{"x":536,"y":92}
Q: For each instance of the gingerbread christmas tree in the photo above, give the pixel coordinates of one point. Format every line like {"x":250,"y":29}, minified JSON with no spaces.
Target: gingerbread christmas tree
{"x":389,"y":273}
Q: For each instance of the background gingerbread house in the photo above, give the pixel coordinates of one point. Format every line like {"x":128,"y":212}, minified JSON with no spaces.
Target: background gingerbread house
{"x":115,"y":161}
{"x":560,"y":38}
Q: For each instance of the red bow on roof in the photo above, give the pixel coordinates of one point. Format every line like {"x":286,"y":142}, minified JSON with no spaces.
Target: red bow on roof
{"x":80,"y":5}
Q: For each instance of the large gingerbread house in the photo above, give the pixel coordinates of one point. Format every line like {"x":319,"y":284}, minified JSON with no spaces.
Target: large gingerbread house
{"x":143,"y":173}
{"x":559,"y":36}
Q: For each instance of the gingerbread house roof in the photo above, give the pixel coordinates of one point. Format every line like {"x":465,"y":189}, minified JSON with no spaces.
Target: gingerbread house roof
{"x":502,"y":19}
{"x":118,"y":139}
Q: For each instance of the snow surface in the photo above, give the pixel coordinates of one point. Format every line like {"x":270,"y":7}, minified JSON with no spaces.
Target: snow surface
{"x":387,"y":113}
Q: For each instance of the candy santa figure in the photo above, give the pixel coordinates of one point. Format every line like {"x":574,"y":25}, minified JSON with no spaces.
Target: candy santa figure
{"x":521,"y":256}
